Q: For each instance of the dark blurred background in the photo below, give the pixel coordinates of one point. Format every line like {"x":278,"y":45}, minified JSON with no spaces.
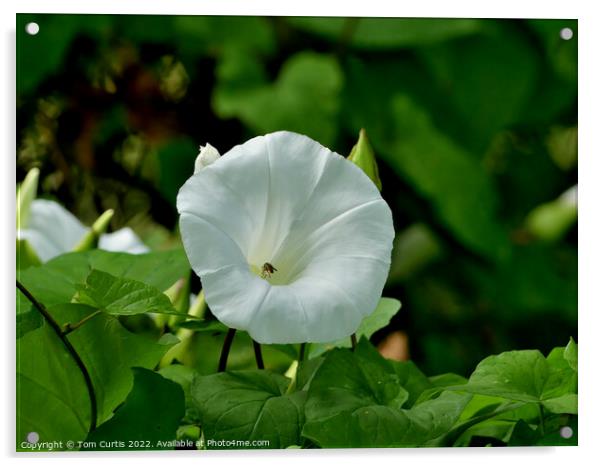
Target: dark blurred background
{"x":474,"y":123}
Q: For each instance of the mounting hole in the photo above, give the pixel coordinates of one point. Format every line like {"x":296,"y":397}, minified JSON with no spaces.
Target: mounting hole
{"x":566,"y":432}
{"x":32,"y":28}
{"x":566,"y":33}
{"x":33,"y":437}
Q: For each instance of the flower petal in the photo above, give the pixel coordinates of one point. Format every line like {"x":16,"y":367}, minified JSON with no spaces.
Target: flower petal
{"x":315,"y":217}
{"x":123,"y":240}
{"x":52,"y":229}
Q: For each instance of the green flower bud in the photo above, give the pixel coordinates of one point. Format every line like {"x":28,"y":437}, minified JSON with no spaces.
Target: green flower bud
{"x":363,"y":156}
{"x":25,"y":195}
{"x":90,"y":239}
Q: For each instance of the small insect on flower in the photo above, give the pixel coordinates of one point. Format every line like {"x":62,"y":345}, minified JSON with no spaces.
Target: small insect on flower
{"x":267,"y":270}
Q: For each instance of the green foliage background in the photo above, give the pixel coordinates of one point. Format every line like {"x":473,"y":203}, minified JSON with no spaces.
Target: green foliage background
{"x":473,"y":122}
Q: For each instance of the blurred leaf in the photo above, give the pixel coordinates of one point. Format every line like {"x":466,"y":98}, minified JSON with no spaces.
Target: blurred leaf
{"x":456,"y":185}
{"x":214,"y":34}
{"x":489,"y":81}
{"x":386,"y":33}
{"x":150,"y":414}
{"x":36,"y":61}
{"x":562,"y":146}
{"x":176,"y":164}
{"x":247,"y":406}
{"x":552,"y":220}
{"x":304,"y":98}
{"x":561,"y":53}
{"x":120,"y":296}
{"x":536,"y":280}
{"x":413,"y":249}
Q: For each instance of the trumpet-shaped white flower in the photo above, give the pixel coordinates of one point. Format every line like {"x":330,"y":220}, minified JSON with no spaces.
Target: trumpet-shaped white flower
{"x":53,"y":230}
{"x":292,"y":242}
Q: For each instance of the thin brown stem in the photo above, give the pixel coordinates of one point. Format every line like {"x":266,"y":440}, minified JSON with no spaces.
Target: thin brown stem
{"x":69,"y":327}
{"x":353,"y":341}
{"x":223,"y":359}
{"x":258,"y":356}
{"x":70,"y":349}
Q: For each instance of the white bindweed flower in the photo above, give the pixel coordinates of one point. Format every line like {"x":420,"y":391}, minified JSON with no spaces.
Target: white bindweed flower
{"x":207,"y":155}
{"x":52,"y":230}
{"x":292,"y":242}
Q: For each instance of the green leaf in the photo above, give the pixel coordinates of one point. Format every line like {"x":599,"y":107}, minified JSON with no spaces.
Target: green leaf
{"x":570,"y":354}
{"x":363,"y":156}
{"x":526,"y":376}
{"x":47,"y":375}
{"x":28,"y":318}
{"x":304,"y":98}
{"x":387,"y":33}
{"x":564,"y":404}
{"x":244,"y":406}
{"x":380,"y":318}
{"x":438,"y":384}
{"x":354,"y":402}
{"x":26,"y":256}
{"x":306,"y":371}
{"x":56,"y":281}
{"x":210,"y":326}
{"x":49,"y":387}
{"x":121,"y":296}
{"x":412,"y":379}
{"x":183,"y":376}
{"x":525,"y":434}
{"x":149,"y":418}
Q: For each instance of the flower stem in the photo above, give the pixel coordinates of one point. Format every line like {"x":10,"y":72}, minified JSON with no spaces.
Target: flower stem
{"x":302,"y":352}
{"x":353,"y":341}
{"x":69,"y":327}
{"x":223,"y":359}
{"x":70,"y":349}
{"x":258,"y":356}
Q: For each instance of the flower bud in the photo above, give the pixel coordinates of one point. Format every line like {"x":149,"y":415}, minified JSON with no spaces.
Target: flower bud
{"x":207,"y":155}
{"x":363,"y":156}
{"x":25,"y":196}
